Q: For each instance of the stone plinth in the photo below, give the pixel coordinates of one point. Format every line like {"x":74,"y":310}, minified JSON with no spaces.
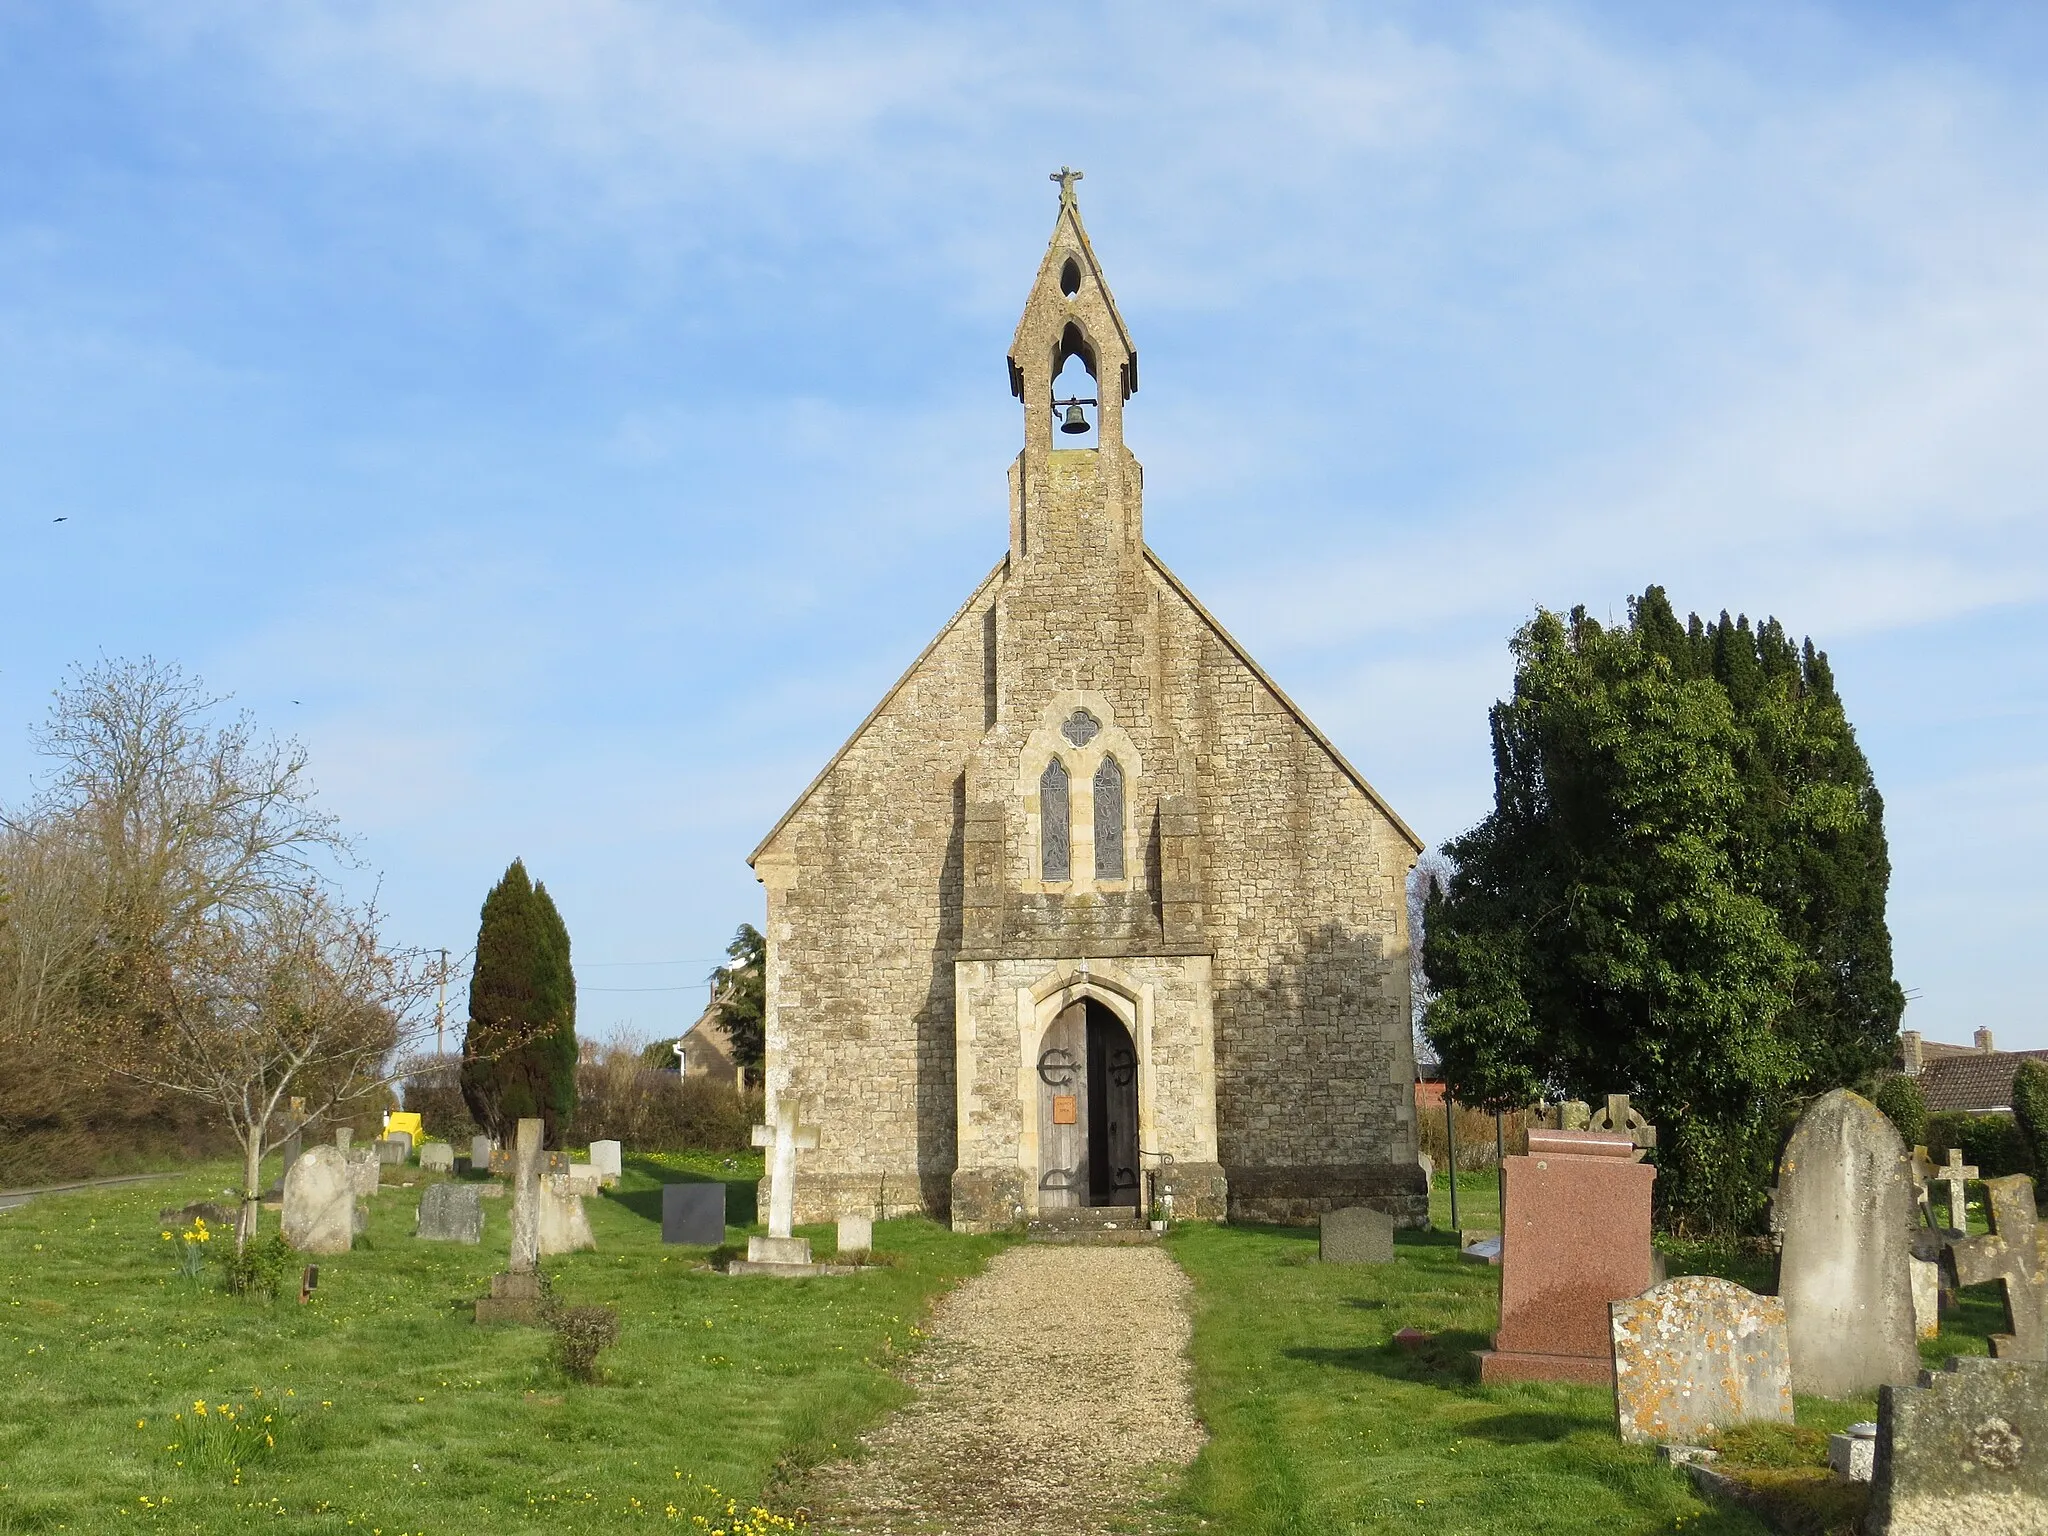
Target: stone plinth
{"x":1965,"y":1451}
{"x":513,"y":1299}
{"x":1357,"y":1235}
{"x":778,"y":1250}
{"x":1576,"y":1237}
{"x":319,"y":1202}
{"x":1845,"y":1208}
{"x":1695,"y":1355}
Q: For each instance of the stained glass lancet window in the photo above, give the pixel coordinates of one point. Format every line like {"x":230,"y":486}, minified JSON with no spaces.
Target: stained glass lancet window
{"x":1109,"y":821}
{"x":1055,"y":839}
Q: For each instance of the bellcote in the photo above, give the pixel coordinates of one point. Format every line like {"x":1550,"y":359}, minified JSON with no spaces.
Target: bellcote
{"x":1073,"y":365}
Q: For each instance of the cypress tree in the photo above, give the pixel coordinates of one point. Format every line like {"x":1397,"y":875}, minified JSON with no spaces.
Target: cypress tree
{"x":519,"y":1055}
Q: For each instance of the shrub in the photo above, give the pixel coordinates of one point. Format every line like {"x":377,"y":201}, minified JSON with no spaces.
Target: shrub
{"x":261,"y":1266}
{"x":580,"y":1333}
{"x":1992,"y":1142}
{"x":1900,"y":1099}
{"x":2030,"y":1108}
{"x":1475,"y":1128}
{"x":620,"y":1098}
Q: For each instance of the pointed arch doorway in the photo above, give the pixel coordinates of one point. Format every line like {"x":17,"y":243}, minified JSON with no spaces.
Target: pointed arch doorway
{"x":1087,"y":1110}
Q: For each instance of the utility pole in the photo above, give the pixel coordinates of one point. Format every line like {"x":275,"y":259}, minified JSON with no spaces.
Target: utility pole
{"x":441,"y":1007}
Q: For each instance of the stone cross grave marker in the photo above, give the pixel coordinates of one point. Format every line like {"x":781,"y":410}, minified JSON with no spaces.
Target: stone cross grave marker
{"x":1956,"y":1174}
{"x":2016,"y":1254}
{"x":786,"y":1137}
{"x":515,"y":1295}
{"x":1845,"y":1208}
{"x":1619,"y":1119}
{"x":1965,"y":1450}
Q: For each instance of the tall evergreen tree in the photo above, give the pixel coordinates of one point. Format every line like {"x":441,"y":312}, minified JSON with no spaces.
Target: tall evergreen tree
{"x":519,"y":1055}
{"x":740,"y":990}
{"x":1680,"y":893}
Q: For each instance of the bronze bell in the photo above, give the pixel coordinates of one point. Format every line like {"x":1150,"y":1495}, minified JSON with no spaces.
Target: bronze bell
{"x":1075,"y":422}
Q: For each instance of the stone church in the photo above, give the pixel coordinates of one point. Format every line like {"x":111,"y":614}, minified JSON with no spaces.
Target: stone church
{"x":1087,"y":913}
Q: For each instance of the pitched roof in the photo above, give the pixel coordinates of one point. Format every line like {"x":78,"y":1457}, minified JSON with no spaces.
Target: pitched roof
{"x":1978,"y":1081}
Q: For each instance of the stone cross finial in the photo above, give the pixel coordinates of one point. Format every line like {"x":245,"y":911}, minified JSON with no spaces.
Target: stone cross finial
{"x":1066,"y":178}
{"x":2016,"y":1254}
{"x":784,"y":1139}
{"x":1957,"y":1175}
{"x":1623,"y":1120}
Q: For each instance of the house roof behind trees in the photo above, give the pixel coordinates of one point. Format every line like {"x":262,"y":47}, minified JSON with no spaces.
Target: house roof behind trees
{"x":1977,"y":1081}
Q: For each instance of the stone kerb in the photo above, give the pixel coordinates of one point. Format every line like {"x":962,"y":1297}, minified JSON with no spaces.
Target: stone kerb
{"x":320,"y":1202}
{"x":1964,"y":1451}
{"x":1695,"y":1355}
{"x":1844,"y":1208}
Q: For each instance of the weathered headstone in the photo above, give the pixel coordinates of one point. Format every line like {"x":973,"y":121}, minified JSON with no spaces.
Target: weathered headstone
{"x":582,"y":1178}
{"x":1576,"y":1237}
{"x":693,"y":1213}
{"x":294,"y":1145}
{"x":856,"y":1235}
{"x":393,"y":1151}
{"x":438,"y":1156}
{"x":451,"y":1213}
{"x":343,"y":1135}
{"x":1845,"y":1209}
{"x":605,"y":1158}
{"x":364,"y":1167}
{"x":1574,"y":1115}
{"x":2015,"y":1253}
{"x":516,"y":1295}
{"x":320,"y":1202}
{"x":1428,"y":1166}
{"x":783,"y":1138}
{"x":1964,"y":1453}
{"x":1956,"y":1174}
{"x":480,"y":1150}
{"x":564,"y":1227}
{"x":1357,"y":1234}
{"x":1695,"y":1355}
{"x":1923,"y":1185}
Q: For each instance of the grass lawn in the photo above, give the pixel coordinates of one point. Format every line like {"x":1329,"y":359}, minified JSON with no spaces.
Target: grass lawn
{"x":389,"y":1410}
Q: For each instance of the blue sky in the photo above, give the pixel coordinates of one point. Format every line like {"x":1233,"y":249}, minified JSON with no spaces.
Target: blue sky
{"x":568,"y":418}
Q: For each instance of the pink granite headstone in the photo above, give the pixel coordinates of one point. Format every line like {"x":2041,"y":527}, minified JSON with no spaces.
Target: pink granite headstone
{"x":1576,"y":1237}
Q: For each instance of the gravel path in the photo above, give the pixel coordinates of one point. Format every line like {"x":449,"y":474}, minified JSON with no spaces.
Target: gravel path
{"x":1051,"y":1395}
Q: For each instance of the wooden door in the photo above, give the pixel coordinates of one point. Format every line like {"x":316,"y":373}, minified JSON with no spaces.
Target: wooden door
{"x":1063,"y":1122}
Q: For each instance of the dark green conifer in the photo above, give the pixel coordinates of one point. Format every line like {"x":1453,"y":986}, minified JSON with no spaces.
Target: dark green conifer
{"x":519,"y":1055}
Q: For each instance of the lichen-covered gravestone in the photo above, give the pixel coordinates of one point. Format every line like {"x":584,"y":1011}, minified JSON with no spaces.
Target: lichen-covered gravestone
{"x":363,"y":1171}
{"x":1845,"y":1210}
{"x":451,"y":1213}
{"x":1695,"y":1355}
{"x":1357,"y":1235}
{"x":564,"y":1228}
{"x":1964,"y":1453}
{"x":2015,"y":1254}
{"x":320,"y":1202}
{"x":437,"y":1156}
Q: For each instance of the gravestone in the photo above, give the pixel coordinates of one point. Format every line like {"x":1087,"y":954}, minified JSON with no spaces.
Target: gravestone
{"x":1620,"y":1119}
{"x":343,"y":1135}
{"x":582,"y":1178}
{"x":451,"y":1213}
{"x":1844,"y":1206}
{"x":1428,"y":1166}
{"x":1574,"y":1115}
{"x":320,"y":1202}
{"x":364,"y":1167}
{"x":438,"y":1156}
{"x":564,"y":1228}
{"x":294,"y":1145}
{"x":1695,"y":1355}
{"x":1357,"y":1234}
{"x":1576,"y":1237}
{"x":393,"y":1151}
{"x":783,"y":1138}
{"x":480,"y":1150}
{"x":516,"y":1295}
{"x":1965,"y":1451}
{"x":693,"y":1213}
{"x":857,"y":1234}
{"x":2015,"y":1254}
{"x":1852,"y":1454}
{"x":1923,"y":1186}
{"x":605,"y":1158}
{"x":1956,"y":1174}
